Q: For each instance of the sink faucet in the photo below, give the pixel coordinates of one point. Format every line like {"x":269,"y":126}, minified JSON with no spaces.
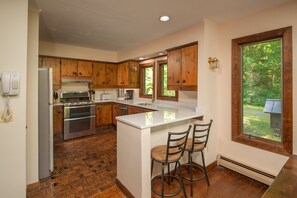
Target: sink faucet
{"x":153,"y":93}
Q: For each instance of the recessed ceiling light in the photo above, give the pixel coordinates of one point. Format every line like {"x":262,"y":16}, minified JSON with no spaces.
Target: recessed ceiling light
{"x":141,"y":58}
{"x":164,"y":18}
{"x":161,"y":53}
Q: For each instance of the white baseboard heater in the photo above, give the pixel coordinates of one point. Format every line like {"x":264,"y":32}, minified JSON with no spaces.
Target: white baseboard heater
{"x":246,"y":170}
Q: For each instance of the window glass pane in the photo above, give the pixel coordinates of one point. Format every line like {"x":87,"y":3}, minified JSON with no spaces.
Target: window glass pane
{"x":165,"y":91}
{"x":261,"y":87}
{"x":148,"y":80}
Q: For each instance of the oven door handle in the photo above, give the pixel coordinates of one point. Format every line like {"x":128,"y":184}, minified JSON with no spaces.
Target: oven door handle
{"x":80,"y":118}
{"x":75,"y":107}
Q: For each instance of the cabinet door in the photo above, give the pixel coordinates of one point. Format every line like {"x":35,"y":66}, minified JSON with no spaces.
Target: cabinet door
{"x":98,"y":115}
{"x":189,"y":65}
{"x":68,"y":67}
{"x":84,"y":68}
{"x":123,"y":73}
{"x":99,"y":73}
{"x":114,"y":114}
{"x":103,"y":114}
{"x":111,"y":74}
{"x":134,"y":74}
{"x":54,"y":63}
{"x":106,"y":114}
{"x":135,"y":110}
{"x":58,"y":122}
{"x":174,"y":67}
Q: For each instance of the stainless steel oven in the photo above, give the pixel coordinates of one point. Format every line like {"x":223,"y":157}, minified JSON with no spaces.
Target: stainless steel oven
{"x":79,"y":120}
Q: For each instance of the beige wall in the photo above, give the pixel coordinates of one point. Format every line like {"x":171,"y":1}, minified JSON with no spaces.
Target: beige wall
{"x":13,"y":57}
{"x":61,"y":50}
{"x":32,"y":97}
{"x":279,"y":17}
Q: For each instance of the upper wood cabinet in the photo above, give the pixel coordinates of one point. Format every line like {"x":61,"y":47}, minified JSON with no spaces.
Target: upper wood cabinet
{"x":134,"y":74}
{"x":84,"y":68}
{"x":182,"y":68}
{"x":123,"y":74}
{"x":74,"y":68}
{"x":104,"y":74}
{"x":128,"y":74}
{"x":54,"y":63}
{"x":103,"y":114}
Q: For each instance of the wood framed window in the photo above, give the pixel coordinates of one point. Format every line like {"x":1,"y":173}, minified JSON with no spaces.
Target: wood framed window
{"x":146,"y":80}
{"x":162,"y":92}
{"x":262,"y":90}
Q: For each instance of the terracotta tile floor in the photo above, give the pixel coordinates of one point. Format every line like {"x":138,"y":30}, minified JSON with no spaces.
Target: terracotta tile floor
{"x":84,"y":167}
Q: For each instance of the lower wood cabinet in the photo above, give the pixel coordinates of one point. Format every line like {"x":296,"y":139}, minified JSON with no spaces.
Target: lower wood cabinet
{"x":114,"y":114}
{"x":135,"y":110}
{"x":103,"y":114}
{"x":58,"y":122}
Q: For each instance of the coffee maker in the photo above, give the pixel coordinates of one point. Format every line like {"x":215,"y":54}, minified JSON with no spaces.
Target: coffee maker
{"x":129,"y":94}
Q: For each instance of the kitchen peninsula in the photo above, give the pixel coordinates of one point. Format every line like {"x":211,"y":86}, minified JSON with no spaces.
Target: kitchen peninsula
{"x":137,"y":134}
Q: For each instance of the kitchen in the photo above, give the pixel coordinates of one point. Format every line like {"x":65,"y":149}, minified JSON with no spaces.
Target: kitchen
{"x":213,"y":94}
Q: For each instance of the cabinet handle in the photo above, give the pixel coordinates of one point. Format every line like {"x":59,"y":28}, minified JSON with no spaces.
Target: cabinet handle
{"x":107,"y":83}
{"x":184,"y":81}
{"x":177,"y":81}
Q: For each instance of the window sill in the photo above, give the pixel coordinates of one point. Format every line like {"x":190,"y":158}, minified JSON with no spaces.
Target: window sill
{"x":261,"y":143}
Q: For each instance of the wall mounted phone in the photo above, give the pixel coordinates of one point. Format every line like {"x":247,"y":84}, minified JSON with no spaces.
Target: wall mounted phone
{"x":10,"y":83}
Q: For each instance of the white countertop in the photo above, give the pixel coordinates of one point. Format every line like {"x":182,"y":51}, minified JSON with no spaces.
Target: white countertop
{"x":165,"y":114}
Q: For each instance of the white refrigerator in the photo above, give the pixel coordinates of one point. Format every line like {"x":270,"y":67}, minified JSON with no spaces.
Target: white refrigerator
{"x":45,"y":122}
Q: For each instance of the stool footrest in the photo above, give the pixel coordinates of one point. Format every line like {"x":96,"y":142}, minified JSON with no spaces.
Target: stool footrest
{"x":193,"y":165}
{"x":166,"y":177}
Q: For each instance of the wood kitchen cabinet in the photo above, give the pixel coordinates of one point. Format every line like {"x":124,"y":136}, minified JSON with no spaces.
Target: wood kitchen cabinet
{"x":133,"y":74}
{"x":104,"y":75}
{"x":74,"y":68}
{"x":53,"y":63}
{"x":182,"y":68}
{"x":103,"y":114}
{"x":84,"y":68}
{"x":123,"y":74}
{"x":58,"y":122}
{"x":135,"y":110}
{"x":128,"y":74}
{"x":114,"y":114}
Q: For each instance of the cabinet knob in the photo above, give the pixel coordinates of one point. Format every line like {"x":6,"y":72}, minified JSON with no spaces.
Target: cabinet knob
{"x":59,"y":111}
{"x":107,"y":83}
{"x":184,"y":81}
{"x":80,"y":73}
{"x":177,"y":81}
{"x":103,"y":83}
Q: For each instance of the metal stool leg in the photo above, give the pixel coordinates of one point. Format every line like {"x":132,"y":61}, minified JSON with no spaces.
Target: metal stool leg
{"x":163,"y":180}
{"x":152,"y":167}
{"x":205,"y":173}
{"x":181,"y":180}
{"x":168,"y":166}
{"x":191,"y":173}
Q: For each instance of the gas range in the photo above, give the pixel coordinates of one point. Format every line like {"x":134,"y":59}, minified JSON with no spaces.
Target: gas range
{"x":76,"y":98}
{"x":79,"y":114}
{"x":79,"y":103}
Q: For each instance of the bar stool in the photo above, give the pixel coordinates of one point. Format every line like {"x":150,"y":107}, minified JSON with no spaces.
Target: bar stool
{"x":197,"y":144}
{"x":167,"y":154}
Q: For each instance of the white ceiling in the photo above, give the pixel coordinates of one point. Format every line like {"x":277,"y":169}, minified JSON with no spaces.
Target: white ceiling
{"x":117,"y":25}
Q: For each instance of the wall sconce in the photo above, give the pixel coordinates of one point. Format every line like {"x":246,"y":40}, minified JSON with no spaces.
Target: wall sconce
{"x":213,"y":63}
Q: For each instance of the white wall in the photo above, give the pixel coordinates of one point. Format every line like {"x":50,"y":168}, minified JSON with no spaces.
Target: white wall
{"x":13,"y":57}
{"x":275,"y":18}
{"x":32,"y":97}
{"x":62,"y":50}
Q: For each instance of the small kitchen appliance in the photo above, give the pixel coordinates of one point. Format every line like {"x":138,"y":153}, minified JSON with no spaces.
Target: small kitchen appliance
{"x":129,"y":94}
